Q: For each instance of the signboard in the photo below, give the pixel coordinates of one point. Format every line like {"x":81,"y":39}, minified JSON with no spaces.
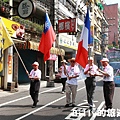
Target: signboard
{"x":15,"y":29}
{"x":67,"y":25}
{"x":25,"y":8}
{"x":68,"y":41}
{"x":9,"y":64}
{"x":52,"y":57}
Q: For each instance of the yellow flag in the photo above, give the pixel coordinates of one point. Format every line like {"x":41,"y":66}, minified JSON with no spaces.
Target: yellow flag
{"x":7,"y":40}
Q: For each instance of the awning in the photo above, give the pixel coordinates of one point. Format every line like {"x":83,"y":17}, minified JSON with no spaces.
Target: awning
{"x":34,"y":46}
{"x":18,"y":40}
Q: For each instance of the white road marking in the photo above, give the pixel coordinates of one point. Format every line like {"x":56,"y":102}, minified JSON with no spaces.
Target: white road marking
{"x":44,"y":106}
{"x":69,"y":117}
{"x":94,"y":114}
{"x":6,"y":103}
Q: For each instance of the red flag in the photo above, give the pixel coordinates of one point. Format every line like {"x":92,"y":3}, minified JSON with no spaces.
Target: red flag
{"x":47,"y":39}
{"x":82,"y":52}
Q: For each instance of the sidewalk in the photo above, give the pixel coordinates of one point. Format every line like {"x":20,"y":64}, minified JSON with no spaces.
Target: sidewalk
{"x":21,"y":88}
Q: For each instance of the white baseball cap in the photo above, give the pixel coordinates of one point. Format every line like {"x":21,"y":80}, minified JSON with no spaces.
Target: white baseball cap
{"x":104,"y":60}
{"x":90,"y":58}
{"x":35,"y":63}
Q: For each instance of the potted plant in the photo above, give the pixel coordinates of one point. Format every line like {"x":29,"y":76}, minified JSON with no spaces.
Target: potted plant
{"x":29,"y":25}
{"x":39,"y":28}
{"x":16,"y":18}
{"x":6,"y":1}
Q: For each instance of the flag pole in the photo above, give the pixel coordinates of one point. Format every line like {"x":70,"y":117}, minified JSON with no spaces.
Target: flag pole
{"x":88,"y":44}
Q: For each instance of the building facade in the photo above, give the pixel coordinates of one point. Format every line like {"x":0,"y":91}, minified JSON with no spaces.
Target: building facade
{"x":67,"y":42}
{"x":111,"y":13}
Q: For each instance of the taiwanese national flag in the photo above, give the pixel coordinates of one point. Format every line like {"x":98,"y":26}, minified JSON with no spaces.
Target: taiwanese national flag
{"x":85,"y":39}
{"x":47,"y":39}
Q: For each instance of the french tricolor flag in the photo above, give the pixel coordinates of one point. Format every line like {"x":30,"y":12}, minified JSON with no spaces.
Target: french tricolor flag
{"x":85,"y":39}
{"x":47,"y":39}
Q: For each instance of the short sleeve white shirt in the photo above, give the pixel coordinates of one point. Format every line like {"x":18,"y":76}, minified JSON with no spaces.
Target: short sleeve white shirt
{"x":62,"y":70}
{"x":109,"y":70}
{"x":72,"y":71}
{"x":35,"y":73}
{"x":93,"y":70}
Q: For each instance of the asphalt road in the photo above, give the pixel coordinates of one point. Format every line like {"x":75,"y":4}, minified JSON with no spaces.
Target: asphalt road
{"x":51,"y":105}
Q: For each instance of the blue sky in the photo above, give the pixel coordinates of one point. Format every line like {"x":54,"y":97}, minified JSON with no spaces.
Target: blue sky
{"x":112,"y":2}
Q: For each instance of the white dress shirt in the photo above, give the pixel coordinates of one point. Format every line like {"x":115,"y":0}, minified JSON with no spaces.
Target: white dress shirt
{"x":109,"y":70}
{"x":73,"y":71}
{"x":93,"y":70}
{"x":35,"y":73}
{"x":62,"y":72}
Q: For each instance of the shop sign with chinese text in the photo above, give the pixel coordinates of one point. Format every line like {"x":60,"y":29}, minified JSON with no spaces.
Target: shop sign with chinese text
{"x":67,"y":25}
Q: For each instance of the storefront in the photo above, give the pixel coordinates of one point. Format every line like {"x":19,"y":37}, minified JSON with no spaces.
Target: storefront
{"x":8,"y":29}
{"x":29,"y":53}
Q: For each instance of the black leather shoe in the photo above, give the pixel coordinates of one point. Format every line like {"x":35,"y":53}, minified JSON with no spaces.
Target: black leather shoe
{"x":33,"y":106}
{"x":73,"y":105}
{"x":67,"y":105}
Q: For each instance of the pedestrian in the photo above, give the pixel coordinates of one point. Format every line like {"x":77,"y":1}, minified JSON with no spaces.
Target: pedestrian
{"x":63,"y":76}
{"x":108,"y":83}
{"x":91,"y":72}
{"x":72,"y":72}
{"x":35,"y":76}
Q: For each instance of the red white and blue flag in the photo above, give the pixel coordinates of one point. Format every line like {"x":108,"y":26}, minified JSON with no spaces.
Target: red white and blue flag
{"x":85,"y":39}
{"x":47,"y":39}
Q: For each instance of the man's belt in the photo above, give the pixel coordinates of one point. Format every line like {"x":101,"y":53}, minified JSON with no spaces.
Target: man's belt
{"x":91,"y":77}
{"x":108,"y":81}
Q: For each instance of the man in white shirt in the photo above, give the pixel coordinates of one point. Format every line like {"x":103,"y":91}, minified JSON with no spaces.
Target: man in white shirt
{"x":108,"y":82}
{"x":35,"y":76}
{"x":63,"y":76}
{"x":90,"y":71}
{"x":72,"y":72}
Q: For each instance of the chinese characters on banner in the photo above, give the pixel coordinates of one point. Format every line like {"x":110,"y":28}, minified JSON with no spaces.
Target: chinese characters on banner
{"x":68,"y":41}
{"x":9,"y":64}
{"x":67,"y":25}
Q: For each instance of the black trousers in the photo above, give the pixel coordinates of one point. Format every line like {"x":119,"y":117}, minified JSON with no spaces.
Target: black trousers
{"x":90,"y":83}
{"x":108,"y":89}
{"x":63,"y":80}
{"x":34,"y":91}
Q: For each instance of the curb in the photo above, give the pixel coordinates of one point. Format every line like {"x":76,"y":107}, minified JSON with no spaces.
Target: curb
{"x":21,"y":88}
